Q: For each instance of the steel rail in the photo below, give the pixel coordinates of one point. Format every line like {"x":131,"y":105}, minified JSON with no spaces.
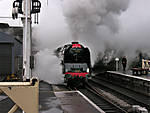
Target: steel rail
{"x":98,"y":93}
{"x":128,"y":96}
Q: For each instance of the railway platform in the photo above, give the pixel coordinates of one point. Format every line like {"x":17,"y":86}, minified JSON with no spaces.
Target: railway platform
{"x":55,"y":100}
{"x":51,"y":101}
{"x":76,"y":102}
{"x":140,"y":84}
{"x":146,"y":76}
{"x":131,"y":74}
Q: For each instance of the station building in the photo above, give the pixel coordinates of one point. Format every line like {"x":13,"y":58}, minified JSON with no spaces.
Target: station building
{"x":10,"y":50}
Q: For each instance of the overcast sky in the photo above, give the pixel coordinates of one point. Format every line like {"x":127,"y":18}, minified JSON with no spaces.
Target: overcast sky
{"x":5,"y":11}
{"x":134,"y":22}
{"x":137,"y":12}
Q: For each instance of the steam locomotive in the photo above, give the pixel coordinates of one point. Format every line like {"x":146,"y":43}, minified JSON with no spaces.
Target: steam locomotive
{"x":76,"y":64}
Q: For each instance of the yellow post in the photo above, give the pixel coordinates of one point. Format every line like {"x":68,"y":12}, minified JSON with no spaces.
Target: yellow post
{"x":13,"y":109}
{"x":24,"y":94}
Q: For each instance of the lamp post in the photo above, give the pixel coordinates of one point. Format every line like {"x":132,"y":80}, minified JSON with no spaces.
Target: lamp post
{"x":27,"y":39}
{"x":117,"y":64}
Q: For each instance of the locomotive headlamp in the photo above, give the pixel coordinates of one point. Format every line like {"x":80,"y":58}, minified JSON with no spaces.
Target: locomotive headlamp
{"x":66,"y":70}
{"x":88,"y":70}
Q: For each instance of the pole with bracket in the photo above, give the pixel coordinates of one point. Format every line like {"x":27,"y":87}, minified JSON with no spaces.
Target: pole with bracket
{"x":26,"y":20}
{"x":26,"y":39}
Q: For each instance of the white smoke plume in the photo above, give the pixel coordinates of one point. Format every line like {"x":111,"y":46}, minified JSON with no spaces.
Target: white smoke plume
{"x":51,"y":33}
{"x":48,"y":67}
{"x":89,"y":16}
{"x":94,"y":22}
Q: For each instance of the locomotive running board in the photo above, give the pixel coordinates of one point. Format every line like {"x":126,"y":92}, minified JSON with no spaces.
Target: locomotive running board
{"x":24,"y":94}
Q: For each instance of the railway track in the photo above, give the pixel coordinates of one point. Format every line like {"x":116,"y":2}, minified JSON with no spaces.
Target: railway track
{"x":125,"y":94}
{"x":100,"y":100}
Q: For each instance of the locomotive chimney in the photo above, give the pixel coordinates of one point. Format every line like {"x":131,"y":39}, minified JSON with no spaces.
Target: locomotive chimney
{"x":75,"y":42}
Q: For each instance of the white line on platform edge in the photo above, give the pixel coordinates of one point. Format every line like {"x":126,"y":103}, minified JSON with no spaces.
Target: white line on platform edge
{"x":100,"y":110}
{"x":65,"y":91}
{"x":136,"y":77}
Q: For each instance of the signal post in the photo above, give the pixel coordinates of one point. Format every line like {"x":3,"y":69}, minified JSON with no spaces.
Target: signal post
{"x":24,"y":94}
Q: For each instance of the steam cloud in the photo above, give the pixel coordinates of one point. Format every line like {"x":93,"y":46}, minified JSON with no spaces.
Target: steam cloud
{"x":94,"y":22}
{"x":51,"y":33}
{"x":84,"y":19}
{"x":47,"y":67}
{"x":89,"y":16}
{"x":98,"y":24}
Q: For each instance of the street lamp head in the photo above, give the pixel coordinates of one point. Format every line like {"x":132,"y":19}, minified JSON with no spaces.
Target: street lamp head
{"x":116,"y":59}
